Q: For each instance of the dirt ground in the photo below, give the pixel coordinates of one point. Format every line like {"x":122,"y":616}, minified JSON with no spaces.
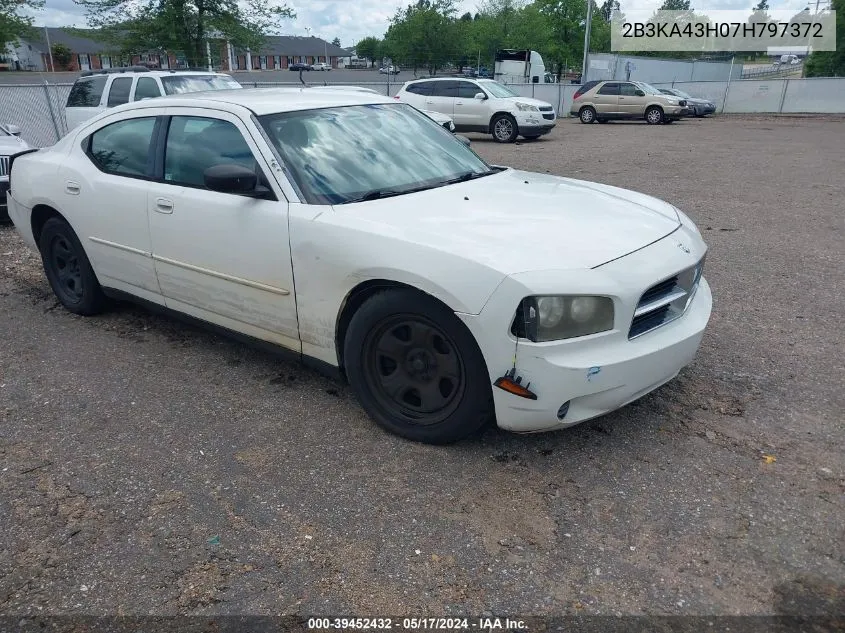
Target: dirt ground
{"x":152,"y":468}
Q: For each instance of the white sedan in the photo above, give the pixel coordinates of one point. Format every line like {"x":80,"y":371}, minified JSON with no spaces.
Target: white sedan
{"x":357,"y":233}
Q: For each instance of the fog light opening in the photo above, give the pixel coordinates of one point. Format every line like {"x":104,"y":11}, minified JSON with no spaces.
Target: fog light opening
{"x":564,"y":409}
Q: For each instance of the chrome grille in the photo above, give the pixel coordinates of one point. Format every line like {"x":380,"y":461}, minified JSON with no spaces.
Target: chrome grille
{"x":665,"y":301}
{"x":4,"y":165}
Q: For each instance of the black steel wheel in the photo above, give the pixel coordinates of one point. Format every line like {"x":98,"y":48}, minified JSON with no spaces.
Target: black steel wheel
{"x":68,"y":270}
{"x":413,"y":369}
{"x":416,"y":368}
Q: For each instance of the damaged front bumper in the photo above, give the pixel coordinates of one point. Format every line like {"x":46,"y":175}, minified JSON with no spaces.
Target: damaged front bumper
{"x":578,"y":379}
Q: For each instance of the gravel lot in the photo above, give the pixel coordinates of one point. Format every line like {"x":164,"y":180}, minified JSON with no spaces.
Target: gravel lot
{"x":152,"y":468}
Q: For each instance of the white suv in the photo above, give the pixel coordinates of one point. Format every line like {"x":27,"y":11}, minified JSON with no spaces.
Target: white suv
{"x":482,"y":105}
{"x":96,"y":90}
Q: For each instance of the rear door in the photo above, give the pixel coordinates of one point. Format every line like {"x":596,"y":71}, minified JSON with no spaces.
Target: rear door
{"x":146,"y":88}
{"x":105,"y":194}
{"x":443,"y":94}
{"x":417,"y":93}
{"x":630,"y":103}
{"x":469,"y":111}
{"x":607,"y":98}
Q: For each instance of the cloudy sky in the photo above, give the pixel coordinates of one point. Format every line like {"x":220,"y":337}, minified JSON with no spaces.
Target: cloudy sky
{"x":350,"y":20}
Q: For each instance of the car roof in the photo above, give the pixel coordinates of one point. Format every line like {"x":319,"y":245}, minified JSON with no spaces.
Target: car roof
{"x":413,"y":81}
{"x":263,"y":100}
{"x":119,"y":72}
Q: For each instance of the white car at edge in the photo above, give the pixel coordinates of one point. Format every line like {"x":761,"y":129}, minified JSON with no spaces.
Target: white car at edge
{"x":10,"y":143}
{"x":482,"y":105}
{"x":362,"y":236}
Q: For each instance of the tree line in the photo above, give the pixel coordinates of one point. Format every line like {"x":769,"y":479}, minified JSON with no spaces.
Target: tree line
{"x":428,"y":35}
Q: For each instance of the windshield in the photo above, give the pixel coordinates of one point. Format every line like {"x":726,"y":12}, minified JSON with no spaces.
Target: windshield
{"x":680,"y":93}
{"x":352,"y":153}
{"x":647,"y":88}
{"x":498,"y":90}
{"x":180,"y":84}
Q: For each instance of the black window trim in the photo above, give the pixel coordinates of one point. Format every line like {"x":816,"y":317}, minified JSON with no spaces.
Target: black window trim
{"x":160,"y":146}
{"x":86,"y":148}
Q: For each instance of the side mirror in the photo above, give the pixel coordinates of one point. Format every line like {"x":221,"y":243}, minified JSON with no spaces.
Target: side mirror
{"x":640,"y":93}
{"x":480,"y":96}
{"x":463,"y":139}
{"x":233,"y":179}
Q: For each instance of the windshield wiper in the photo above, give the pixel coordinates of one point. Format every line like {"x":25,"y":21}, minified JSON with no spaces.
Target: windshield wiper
{"x":470,"y":175}
{"x":378,"y":194}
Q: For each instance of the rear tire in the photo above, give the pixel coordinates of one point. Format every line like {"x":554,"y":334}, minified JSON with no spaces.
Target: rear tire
{"x":68,"y":270}
{"x":587,"y":114}
{"x":504,"y":128}
{"x":416,"y":369}
{"x":654,"y":116}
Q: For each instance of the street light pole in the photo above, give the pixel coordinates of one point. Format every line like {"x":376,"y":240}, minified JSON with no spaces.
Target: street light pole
{"x":588,"y":24}
{"x":50,"y":50}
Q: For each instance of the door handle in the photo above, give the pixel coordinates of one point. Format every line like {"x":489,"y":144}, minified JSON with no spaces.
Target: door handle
{"x":163,"y":205}
{"x":428,"y":102}
{"x":72,"y":188}
{"x":457,"y":103}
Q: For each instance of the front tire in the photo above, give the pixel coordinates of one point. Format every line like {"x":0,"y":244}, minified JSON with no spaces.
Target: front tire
{"x":68,"y":270}
{"x":416,"y":369}
{"x":504,"y":128}
{"x":654,"y":115}
{"x":587,"y":114}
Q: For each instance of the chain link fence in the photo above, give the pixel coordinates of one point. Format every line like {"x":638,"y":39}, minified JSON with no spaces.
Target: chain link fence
{"x":39,"y":109}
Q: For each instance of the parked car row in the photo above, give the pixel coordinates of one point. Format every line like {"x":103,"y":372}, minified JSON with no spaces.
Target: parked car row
{"x":303,"y":66}
{"x":608,"y":100}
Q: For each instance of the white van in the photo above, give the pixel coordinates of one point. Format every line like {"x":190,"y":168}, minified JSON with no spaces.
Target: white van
{"x":96,"y":90}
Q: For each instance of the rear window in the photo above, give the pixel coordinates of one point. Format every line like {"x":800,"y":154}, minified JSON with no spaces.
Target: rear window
{"x":422,"y":88}
{"x":86,"y":93}
{"x":180,"y":84}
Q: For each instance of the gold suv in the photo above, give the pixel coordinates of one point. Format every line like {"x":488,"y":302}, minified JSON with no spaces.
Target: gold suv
{"x":604,"y":100}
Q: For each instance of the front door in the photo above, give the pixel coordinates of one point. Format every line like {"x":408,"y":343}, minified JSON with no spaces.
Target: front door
{"x":223,"y":258}
{"x":630,"y":103}
{"x":607,"y":99}
{"x":469,"y":111}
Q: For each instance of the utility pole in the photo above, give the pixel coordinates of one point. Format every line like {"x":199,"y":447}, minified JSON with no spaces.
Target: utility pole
{"x":587,"y":25}
{"x":49,"y":49}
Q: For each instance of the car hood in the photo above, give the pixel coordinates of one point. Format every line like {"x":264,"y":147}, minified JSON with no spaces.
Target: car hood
{"x":517,"y":221}
{"x":699,"y":101}
{"x":11,"y":144}
{"x":530,"y":101}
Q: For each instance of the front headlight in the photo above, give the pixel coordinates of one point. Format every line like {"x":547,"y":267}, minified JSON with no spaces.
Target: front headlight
{"x":558,"y":317}
{"x":526,"y":107}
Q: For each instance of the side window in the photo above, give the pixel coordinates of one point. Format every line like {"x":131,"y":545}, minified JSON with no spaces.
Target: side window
{"x":119,"y":91}
{"x":467,"y":89}
{"x":146,"y":88}
{"x":196,"y":143}
{"x":123,"y":147}
{"x":445,"y":88}
{"x":422,"y":88}
{"x":86,"y":93}
{"x":628,"y":90}
{"x":609,"y":89}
